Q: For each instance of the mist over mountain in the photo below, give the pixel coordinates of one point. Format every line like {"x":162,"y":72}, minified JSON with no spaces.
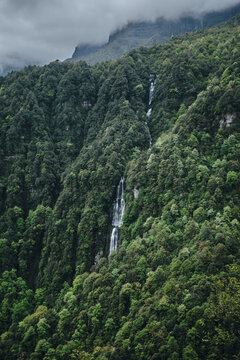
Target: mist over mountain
{"x":34,"y":32}
{"x":148,"y":33}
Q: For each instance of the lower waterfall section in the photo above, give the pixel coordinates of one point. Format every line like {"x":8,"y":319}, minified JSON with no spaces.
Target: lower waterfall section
{"x":113,"y":240}
{"x":118,"y":211}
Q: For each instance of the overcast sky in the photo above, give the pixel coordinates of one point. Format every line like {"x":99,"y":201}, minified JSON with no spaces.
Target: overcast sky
{"x":44,"y":30}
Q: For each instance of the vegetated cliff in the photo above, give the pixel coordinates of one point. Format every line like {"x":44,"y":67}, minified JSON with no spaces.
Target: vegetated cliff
{"x":69,"y":133}
{"x":147,"y":34}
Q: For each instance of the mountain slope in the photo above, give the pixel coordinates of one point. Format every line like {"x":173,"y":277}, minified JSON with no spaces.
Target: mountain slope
{"x":69,"y":133}
{"x":147,"y":34}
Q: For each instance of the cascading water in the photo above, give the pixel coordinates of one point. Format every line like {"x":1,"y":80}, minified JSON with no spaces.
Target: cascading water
{"x":118,"y":211}
{"x":152,"y":87}
{"x":152,"y":80}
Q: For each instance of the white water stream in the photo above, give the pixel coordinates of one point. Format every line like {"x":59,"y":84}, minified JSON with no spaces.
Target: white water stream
{"x":152,"y":80}
{"x":118,"y":211}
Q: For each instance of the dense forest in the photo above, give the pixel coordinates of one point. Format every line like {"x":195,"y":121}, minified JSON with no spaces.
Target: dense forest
{"x":69,"y":132}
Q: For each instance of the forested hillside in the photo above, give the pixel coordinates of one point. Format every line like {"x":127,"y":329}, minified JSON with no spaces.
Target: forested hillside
{"x":69,"y":133}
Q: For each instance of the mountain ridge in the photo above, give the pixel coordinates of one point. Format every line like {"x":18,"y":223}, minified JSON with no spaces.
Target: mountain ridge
{"x":138,"y":34}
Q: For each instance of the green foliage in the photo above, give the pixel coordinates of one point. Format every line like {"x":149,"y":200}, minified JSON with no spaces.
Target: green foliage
{"x":69,"y":132}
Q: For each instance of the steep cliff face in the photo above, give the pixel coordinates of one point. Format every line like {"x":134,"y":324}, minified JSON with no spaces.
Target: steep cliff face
{"x":84,"y":50}
{"x":147,"y":34}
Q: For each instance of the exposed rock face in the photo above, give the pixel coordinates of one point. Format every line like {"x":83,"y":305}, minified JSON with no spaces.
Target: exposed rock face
{"x":147,"y":34}
{"x":135,"y":193}
{"x":98,"y":257}
{"x":84,"y":50}
{"x":227,"y":120}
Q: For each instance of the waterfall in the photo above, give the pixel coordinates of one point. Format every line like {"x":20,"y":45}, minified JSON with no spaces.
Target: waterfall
{"x":149,"y":112}
{"x":152,"y":87}
{"x":118,"y":211}
{"x":152,"y":80}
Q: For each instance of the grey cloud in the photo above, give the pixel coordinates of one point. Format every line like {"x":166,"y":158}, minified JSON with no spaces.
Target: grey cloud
{"x":41,"y":31}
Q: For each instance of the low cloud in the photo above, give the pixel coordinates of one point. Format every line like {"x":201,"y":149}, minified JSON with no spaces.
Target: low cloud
{"x":36,"y":32}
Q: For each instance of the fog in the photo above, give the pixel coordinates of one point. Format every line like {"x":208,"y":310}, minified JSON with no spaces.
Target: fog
{"x":37,"y":32}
